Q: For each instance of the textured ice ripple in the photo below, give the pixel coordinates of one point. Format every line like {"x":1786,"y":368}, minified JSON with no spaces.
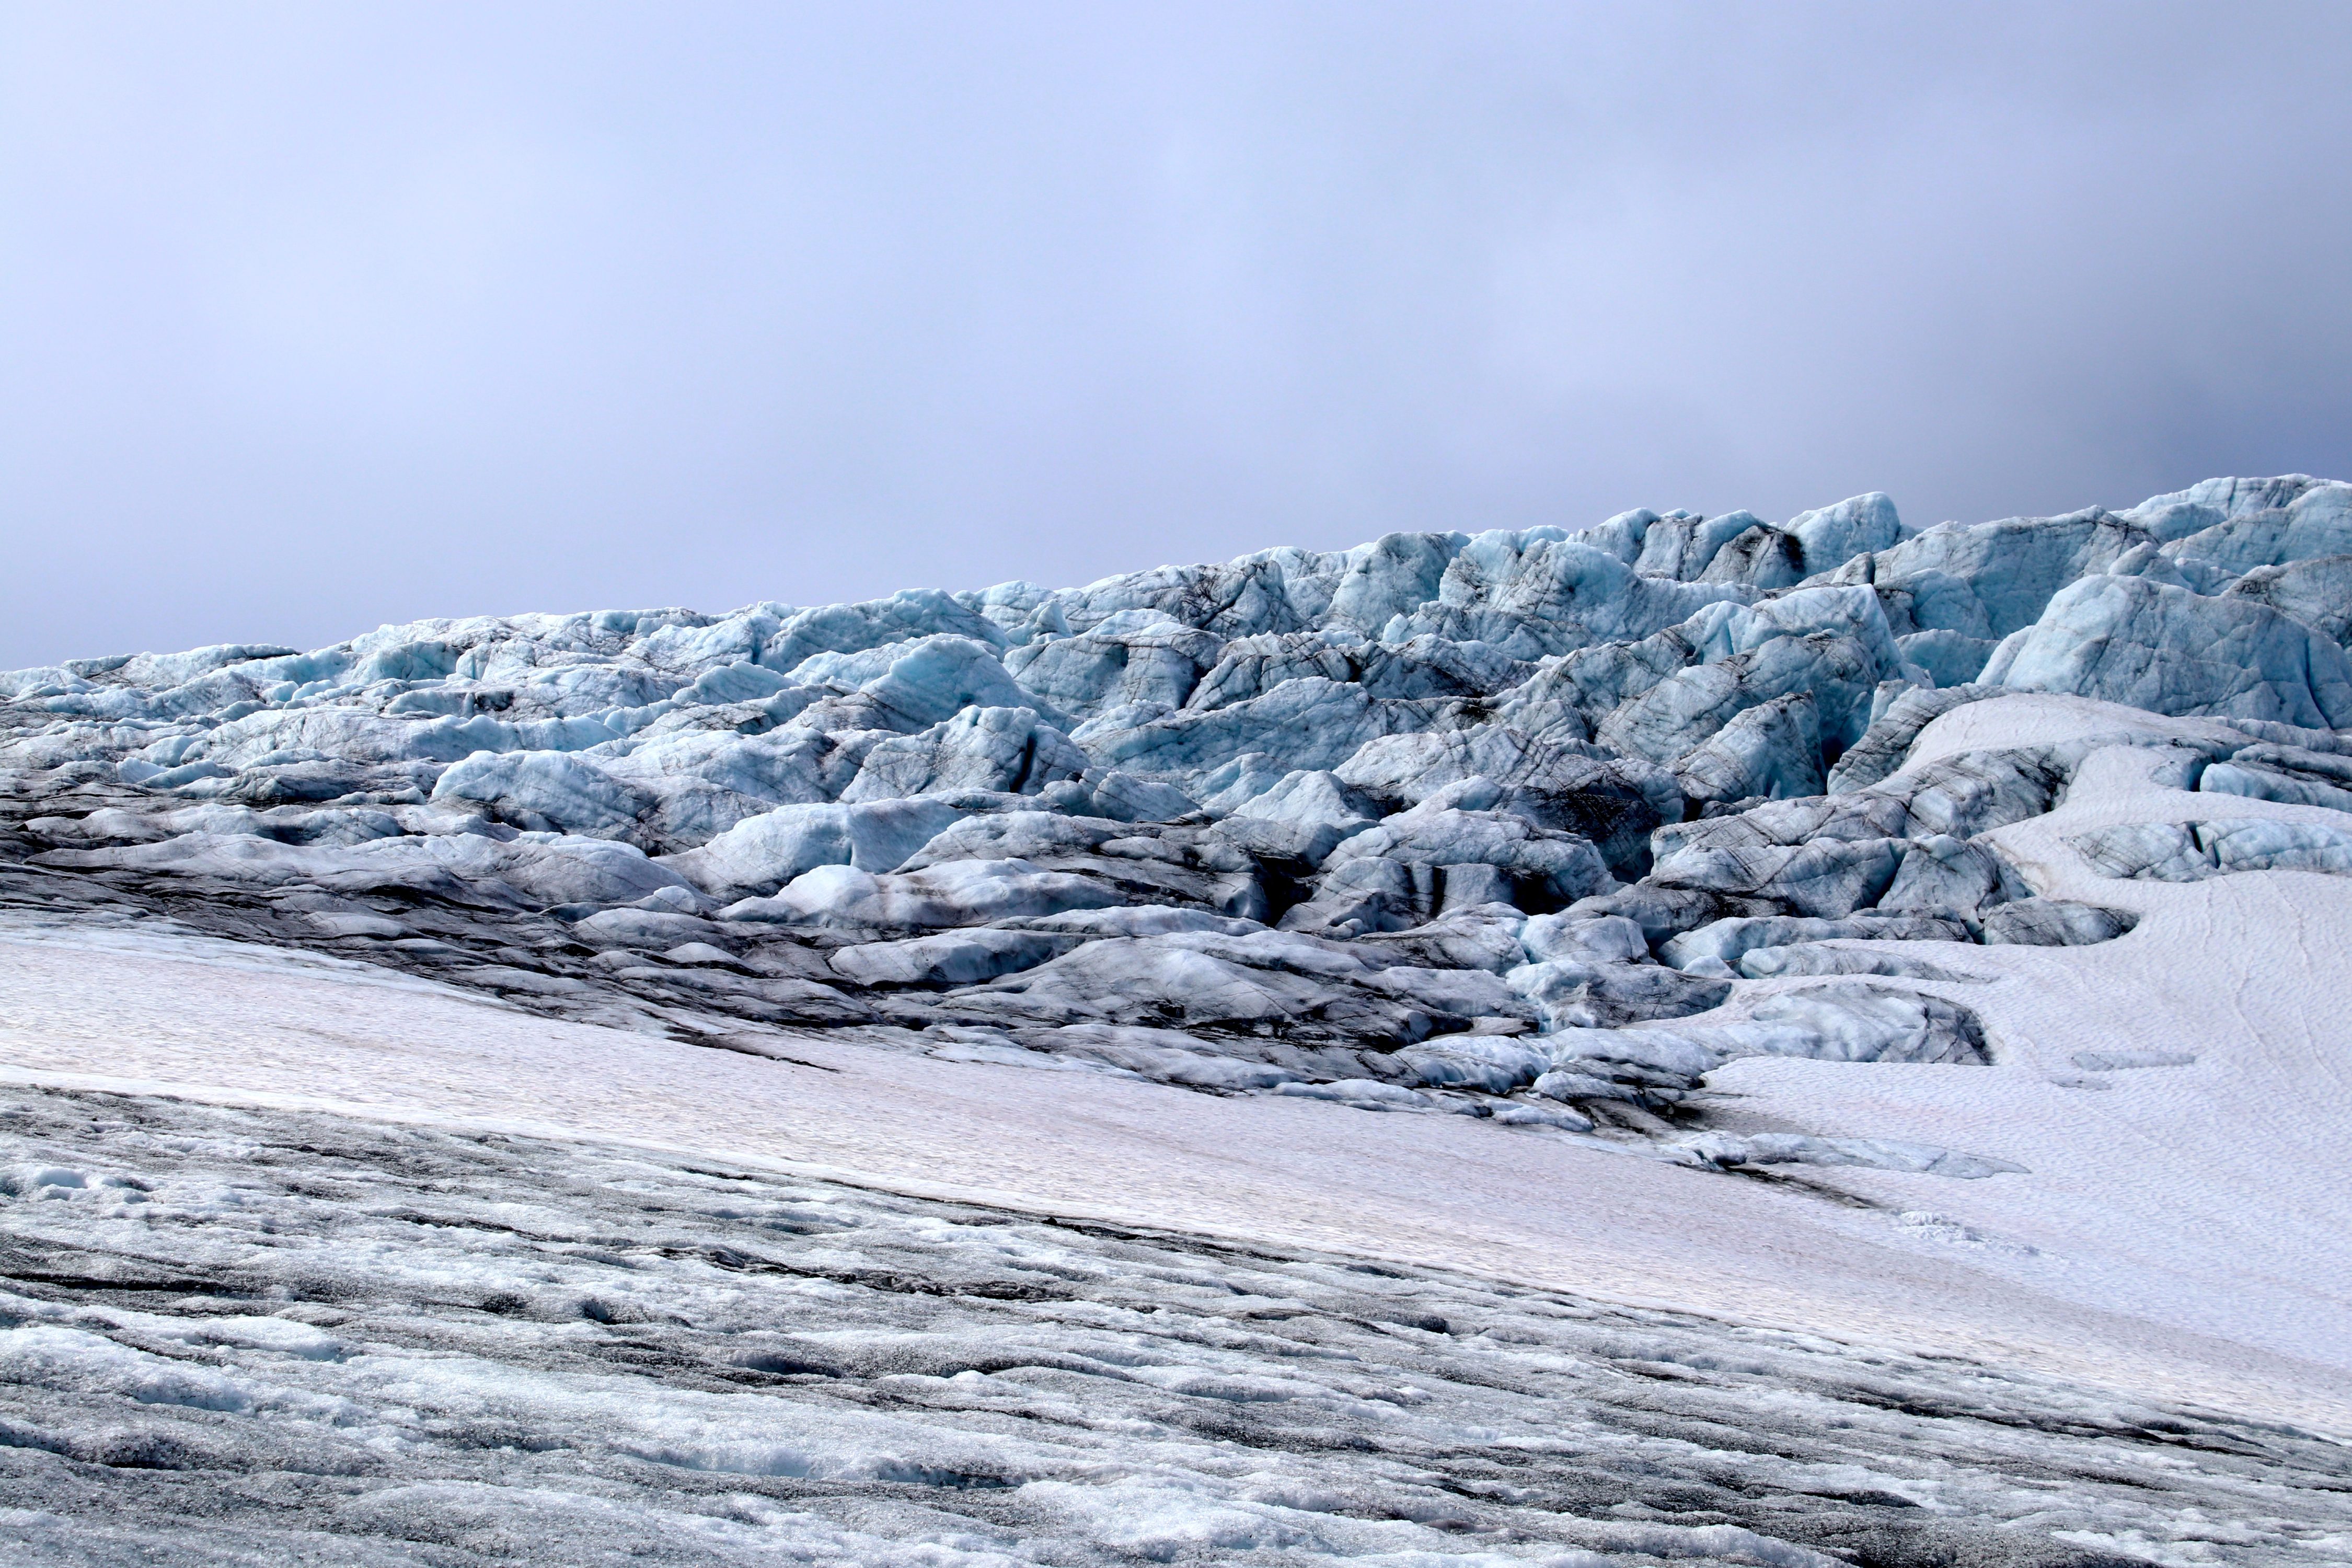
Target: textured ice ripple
{"x":272,"y":1337}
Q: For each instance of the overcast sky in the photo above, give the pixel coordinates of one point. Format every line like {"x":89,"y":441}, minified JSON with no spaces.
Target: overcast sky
{"x":317,"y":316}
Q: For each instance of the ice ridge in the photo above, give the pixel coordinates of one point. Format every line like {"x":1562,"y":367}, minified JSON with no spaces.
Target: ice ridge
{"x":1537,"y":825}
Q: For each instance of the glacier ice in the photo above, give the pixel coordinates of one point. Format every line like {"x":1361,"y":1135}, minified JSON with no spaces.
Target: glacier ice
{"x":1353,"y":818}
{"x":2169,"y":650}
{"x":276,"y":1335}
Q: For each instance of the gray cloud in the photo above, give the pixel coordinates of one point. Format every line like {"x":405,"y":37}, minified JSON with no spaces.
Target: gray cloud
{"x":317,"y":317}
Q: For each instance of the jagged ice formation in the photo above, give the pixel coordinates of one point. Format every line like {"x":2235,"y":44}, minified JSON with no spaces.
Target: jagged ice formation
{"x":1543,"y":828}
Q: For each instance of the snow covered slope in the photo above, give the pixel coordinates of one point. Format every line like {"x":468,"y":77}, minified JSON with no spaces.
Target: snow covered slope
{"x":1932,"y":939}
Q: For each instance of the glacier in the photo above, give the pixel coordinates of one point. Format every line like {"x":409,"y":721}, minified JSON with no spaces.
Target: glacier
{"x":1790,"y":871}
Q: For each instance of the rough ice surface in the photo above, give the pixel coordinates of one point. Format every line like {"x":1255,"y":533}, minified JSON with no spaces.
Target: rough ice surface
{"x":1556,"y":832}
{"x":251,"y":1336}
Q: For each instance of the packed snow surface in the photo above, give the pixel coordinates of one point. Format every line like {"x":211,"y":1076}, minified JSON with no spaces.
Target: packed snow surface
{"x":1915,"y":941}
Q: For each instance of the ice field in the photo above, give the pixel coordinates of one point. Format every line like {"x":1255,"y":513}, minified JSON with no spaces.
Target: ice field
{"x":1690,"y":1040}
